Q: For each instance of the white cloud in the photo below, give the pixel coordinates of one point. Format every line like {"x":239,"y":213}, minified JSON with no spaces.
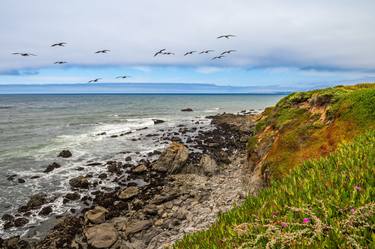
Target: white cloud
{"x":209,"y":70}
{"x":289,"y":33}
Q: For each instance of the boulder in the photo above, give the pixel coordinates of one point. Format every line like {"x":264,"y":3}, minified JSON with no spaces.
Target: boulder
{"x":79,"y":182}
{"x":173,"y":159}
{"x":140,"y":169}
{"x":46,"y":211}
{"x":65,"y":154}
{"x":96,"y":215}
{"x":187,"y":110}
{"x":51,"y":167}
{"x":208,"y":165}
{"x":101,"y":236}
{"x":129,"y":193}
{"x":137,"y":226}
{"x":34,"y":202}
{"x":20,"y":222}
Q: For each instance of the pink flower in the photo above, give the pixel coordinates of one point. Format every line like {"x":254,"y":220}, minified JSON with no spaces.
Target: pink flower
{"x":358,"y":188}
{"x":284,"y":225}
{"x":306,"y":220}
{"x":352,"y":210}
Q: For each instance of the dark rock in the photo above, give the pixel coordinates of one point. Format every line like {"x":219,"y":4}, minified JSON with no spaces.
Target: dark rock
{"x":20,"y":222}
{"x":34,"y":177}
{"x":79,"y":182}
{"x":187,"y":110}
{"x":102,"y":176}
{"x":102,"y":134}
{"x":20,"y":180}
{"x":94,"y":164}
{"x":113,"y":168}
{"x":11,"y":177}
{"x":51,"y":167}
{"x":128,"y":158}
{"x":46,"y":211}
{"x":158,"y":121}
{"x":65,"y":154}
{"x":7,"y":217}
{"x":114,"y":136}
{"x":35,"y":201}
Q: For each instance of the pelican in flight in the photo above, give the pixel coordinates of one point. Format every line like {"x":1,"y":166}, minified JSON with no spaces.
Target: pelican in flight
{"x":168,"y":53}
{"x":190,"y":53}
{"x":95,"y":80}
{"x":161,"y":51}
{"x":123,"y":77}
{"x":102,"y":51}
{"x":60,"y":44}
{"x":24,"y":54}
{"x":218,"y":57}
{"x":225,"y":36}
{"x":228,"y":52}
{"x":60,"y":62}
{"x":206,"y":51}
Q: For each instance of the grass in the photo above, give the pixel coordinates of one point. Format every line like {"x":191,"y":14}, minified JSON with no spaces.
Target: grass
{"x":324,"y":203}
{"x":311,"y":124}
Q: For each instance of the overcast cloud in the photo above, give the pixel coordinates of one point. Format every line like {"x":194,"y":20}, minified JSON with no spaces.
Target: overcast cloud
{"x":316,"y":35}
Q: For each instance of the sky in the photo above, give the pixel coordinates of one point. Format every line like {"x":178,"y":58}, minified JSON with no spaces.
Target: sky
{"x":289,"y":44}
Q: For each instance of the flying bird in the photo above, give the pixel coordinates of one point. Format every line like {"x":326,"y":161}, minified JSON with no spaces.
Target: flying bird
{"x":228,"y":52}
{"x":168,"y":53}
{"x":122,"y":77}
{"x":102,"y":51}
{"x":225,"y":36}
{"x":24,"y":54}
{"x":60,"y":62}
{"x":161,"y":51}
{"x":60,"y":44}
{"x":218,"y":57}
{"x":189,"y":53}
{"x":95,"y":80}
{"x":206,"y":51}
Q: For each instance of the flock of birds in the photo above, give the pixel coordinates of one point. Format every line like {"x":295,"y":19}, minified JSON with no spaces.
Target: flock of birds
{"x":158,"y":53}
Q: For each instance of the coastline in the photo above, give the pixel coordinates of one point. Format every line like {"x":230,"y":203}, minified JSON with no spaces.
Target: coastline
{"x":170,"y":204}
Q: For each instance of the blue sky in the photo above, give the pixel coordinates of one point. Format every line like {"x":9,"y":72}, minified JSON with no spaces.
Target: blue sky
{"x":287,"y":44}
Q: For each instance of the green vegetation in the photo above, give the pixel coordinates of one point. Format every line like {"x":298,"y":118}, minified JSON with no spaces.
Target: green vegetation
{"x":325,"y":203}
{"x":311,"y":124}
{"x":322,"y":188}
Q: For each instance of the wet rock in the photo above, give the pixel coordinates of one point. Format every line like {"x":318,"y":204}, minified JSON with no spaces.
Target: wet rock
{"x":65,"y":154}
{"x":113,"y":168}
{"x":93,"y":164}
{"x":102,"y":176}
{"x":7,"y":217}
{"x":173,"y":159}
{"x":79,"y":182}
{"x":96,"y":215}
{"x":208,"y":165}
{"x":128,"y":158}
{"x":176,"y":139}
{"x":11,"y":177}
{"x":34,"y":177}
{"x":102,"y":134}
{"x":72,"y":196}
{"x":129,"y":193}
{"x":46,"y":211}
{"x":51,"y":167}
{"x":136,"y":227}
{"x":158,"y":121}
{"x":20,"y":222}
{"x":114,"y":136}
{"x":20,"y":180}
{"x":187,"y":110}
{"x":101,"y":236}
{"x":35,"y":201}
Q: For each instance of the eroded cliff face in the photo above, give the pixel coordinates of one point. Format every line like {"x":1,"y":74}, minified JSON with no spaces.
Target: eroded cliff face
{"x":303,"y":126}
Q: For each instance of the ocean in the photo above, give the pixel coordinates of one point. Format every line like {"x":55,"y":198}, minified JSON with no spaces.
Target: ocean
{"x":95,"y":128}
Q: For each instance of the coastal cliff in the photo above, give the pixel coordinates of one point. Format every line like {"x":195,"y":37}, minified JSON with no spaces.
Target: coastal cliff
{"x":299,"y":174}
{"x":310,"y":174}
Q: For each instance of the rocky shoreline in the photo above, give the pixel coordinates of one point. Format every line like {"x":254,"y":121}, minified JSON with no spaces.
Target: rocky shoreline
{"x":153,"y":203}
